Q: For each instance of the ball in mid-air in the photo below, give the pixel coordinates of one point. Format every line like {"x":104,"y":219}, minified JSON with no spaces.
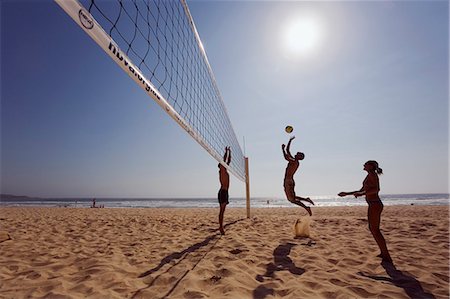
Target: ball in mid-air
{"x":289,"y":129}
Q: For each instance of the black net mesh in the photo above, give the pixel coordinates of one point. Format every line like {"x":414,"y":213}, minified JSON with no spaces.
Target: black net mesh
{"x":159,"y":38}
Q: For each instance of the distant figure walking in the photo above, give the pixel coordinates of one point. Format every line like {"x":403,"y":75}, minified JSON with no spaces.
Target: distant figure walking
{"x":224,"y":179}
{"x":289,"y":183}
{"x":370,"y":188}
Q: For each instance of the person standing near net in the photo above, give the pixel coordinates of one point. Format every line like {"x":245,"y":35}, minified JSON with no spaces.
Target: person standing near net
{"x":370,"y":188}
{"x":289,"y":183}
{"x":224,"y":179}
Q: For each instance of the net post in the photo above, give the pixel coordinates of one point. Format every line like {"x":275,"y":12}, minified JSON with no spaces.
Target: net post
{"x":247,"y":187}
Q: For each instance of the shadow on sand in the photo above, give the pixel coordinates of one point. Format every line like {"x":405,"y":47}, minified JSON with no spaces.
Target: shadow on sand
{"x":179,"y":257}
{"x":282,"y":262}
{"x":412,"y":286}
{"x":182,"y":254}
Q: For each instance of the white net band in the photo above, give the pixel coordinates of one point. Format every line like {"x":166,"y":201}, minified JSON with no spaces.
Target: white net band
{"x":157,"y":45}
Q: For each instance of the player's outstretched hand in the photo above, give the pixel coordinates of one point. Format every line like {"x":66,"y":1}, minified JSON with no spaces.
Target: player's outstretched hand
{"x":358,"y":194}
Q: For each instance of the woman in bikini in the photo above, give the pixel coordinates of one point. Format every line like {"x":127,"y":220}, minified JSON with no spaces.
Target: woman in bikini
{"x":370,"y":188}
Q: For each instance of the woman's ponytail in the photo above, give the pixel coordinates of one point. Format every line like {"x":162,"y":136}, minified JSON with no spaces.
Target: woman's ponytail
{"x":374,"y":163}
{"x":379,"y":170}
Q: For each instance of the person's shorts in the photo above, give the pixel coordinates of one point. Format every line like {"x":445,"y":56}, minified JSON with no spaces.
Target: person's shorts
{"x":223,"y":196}
{"x":289,"y":186}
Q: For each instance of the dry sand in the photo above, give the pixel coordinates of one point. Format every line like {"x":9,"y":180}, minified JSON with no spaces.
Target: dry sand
{"x":178,"y":253}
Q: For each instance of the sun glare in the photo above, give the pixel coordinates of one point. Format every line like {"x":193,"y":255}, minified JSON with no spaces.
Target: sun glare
{"x":302,"y":35}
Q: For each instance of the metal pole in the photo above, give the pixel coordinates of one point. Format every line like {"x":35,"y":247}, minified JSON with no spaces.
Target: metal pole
{"x":247,"y":187}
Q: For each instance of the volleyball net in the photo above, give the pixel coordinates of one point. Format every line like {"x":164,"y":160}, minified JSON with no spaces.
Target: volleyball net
{"x":156,"y":43}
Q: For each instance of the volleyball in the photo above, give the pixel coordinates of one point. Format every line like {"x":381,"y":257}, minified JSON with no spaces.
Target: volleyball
{"x":289,"y":129}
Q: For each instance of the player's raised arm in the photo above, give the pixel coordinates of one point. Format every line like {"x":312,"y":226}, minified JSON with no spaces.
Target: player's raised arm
{"x":225,"y":155}
{"x":286,"y":156}
{"x":228,"y":161}
{"x":288,"y":147}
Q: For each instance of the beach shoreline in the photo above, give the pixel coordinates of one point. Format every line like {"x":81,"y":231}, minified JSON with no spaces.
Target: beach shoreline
{"x":235,"y":202}
{"x":179,"y":253}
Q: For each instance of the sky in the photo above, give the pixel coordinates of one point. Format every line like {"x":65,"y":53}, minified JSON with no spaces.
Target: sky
{"x":357,"y":80}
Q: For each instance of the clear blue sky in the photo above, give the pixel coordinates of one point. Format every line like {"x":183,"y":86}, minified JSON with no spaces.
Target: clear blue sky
{"x":373,"y":85}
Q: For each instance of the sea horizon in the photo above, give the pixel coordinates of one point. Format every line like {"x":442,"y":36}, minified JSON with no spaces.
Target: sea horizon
{"x":211,"y":202}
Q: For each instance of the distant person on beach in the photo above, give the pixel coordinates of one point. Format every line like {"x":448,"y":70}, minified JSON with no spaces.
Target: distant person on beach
{"x":289,"y":183}
{"x":224,"y":179}
{"x":370,"y":188}
{"x":93,"y":203}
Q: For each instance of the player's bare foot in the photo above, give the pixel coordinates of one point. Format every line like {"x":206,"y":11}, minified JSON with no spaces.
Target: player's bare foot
{"x":386,"y":259}
{"x":310,"y":201}
{"x":221,"y":230}
{"x":309,"y":210}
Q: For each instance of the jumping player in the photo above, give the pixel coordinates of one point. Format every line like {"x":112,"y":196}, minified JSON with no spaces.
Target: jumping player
{"x":289,"y":183}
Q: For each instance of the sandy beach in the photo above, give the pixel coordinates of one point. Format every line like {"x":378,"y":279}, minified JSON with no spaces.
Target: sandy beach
{"x":179,"y":253}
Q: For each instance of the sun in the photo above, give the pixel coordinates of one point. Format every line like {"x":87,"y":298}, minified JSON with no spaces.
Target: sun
{"x":302,"y":35}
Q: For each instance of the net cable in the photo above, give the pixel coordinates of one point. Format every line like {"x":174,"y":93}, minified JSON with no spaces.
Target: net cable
{"x":162,"y":43}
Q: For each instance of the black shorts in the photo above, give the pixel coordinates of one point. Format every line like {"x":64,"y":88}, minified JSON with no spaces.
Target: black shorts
{"x":223,"y":196}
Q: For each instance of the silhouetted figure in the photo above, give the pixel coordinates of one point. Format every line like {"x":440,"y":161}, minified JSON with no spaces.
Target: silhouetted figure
{"x":224,"y":178}
{"x":281,"y":262}
{"x":371,"y":188}
{"x":289,"y":183}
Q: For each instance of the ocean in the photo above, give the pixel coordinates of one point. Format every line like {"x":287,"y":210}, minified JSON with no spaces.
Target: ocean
{"x":257,"y":202}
